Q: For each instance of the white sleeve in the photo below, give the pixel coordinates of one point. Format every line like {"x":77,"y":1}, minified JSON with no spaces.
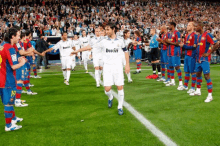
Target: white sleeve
{"x":57,"y":46}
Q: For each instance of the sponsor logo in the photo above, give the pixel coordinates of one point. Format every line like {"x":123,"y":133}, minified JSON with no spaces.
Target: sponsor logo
{"x":66,"y":47}
{"x":14,"y":57}
{"x":115,"y":50}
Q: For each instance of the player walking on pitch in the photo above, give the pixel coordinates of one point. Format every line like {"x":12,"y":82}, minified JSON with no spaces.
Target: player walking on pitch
{"x":112,"y":48}
{"x":65,"y":46}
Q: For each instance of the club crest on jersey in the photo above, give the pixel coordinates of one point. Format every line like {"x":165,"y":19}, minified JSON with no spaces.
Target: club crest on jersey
{"x":115,"y":50}
{"x":203,"y":38}
{"x":173,"y":35}
{"x":190,"y":37}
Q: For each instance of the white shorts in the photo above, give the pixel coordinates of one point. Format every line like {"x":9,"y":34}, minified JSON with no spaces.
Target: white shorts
{"x":123,"y":60}
{"x":97,"y":61}
{"x":113,"y":75}
{"x":66,"y":62}
{"x":85,"y":55}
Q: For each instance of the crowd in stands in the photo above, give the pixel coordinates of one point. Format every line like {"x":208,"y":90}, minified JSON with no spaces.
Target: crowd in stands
{"x":52,"y":17}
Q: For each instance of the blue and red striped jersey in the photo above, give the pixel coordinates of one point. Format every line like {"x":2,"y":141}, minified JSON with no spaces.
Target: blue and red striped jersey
{"x":27,"y":44}
{"x":8,"y":58}
{"x":204,"y":43}
{"x":190,"y":44}
{"x":174,"y":50}
{"x":138,"y":46}
{"x":164,"y":37}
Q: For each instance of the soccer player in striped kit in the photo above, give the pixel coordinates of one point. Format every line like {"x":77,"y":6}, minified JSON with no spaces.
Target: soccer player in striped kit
{"x":8,"y":64}
{"x":190,"y":57}
{"x":205,"y":40}
{"x":163,"y":54}
{"x":137,"y":51}
{"x":174,"y":54}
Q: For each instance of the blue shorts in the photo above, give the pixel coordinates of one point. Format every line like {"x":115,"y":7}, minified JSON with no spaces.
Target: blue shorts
{"x":8,"y":95}
{"x":26,"y":68}
{"x":30,"y":60}
{"x":174,"y":61}
{"x":189,"y":64}
{"x":203,"y":66}
{"x":20,"y":73}
{"x":138,"y":54}
{"x":163,"y":57}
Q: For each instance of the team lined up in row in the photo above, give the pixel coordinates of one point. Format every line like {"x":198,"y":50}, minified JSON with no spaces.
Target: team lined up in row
{"x":198,"y":46}
{"x":16,"y":57}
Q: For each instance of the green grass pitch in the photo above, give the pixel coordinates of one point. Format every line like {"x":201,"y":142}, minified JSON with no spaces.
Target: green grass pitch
{"x":79,"y":115}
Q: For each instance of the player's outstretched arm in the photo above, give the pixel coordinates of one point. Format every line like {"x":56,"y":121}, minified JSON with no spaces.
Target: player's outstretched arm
{"x":38,"y":53}
{"x":82,"y":49}
{"x":21,"y":62}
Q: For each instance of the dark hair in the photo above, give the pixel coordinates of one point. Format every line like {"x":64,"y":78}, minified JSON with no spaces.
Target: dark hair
{"x":27,"y":32}
{"x":173,"y":23}
{"x":11,"y":32}
{"x":125,"y":32}
{"x":112,"y":26}
{"x":63,"y":33}
{"x":137,"y":33}
{"x":200,"y":24}
{"x":17,"y":27}
{"x":83,"y":30}
{"x":40,"y":35}
{"x":22,"y":35}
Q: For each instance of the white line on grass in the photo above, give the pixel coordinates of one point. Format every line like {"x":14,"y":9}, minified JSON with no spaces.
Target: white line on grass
{"x":154,"y":130}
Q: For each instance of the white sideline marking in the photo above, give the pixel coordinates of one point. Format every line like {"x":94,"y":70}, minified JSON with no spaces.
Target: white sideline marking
{"x":154,"y":130}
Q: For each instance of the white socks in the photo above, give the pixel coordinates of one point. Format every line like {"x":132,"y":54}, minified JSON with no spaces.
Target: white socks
{"x":68,"y":75}
{"x":180,"y":83}
{"x":109,"y":94}
{"x":121,"y":98}
{"x":173,"y":81}
{"x":85,"y":64}
{"x":209,"y":94}
{"x":100,"y":73}
{"x":129,"y":76}
{"x":198,"y":89}
{"x":97,"y":77}
{"x":64,"y":75}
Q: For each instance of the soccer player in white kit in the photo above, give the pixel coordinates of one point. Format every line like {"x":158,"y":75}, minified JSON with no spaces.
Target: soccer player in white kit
{"x":112,"y":48}
{"x":84,"y":41}
{"x":97,"y":56}
{"x":128,"y":43}
{"x":65,"y":46}
{"x":77,"y":47}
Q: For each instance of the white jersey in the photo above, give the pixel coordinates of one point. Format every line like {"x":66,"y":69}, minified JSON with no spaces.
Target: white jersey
{"x":96,"y":49}
{"x":112,"y":50}
{"x":76,"y":44}
{"x":84,"y":41}
{"x":65,"y":47}
{"x":127,"y":42}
